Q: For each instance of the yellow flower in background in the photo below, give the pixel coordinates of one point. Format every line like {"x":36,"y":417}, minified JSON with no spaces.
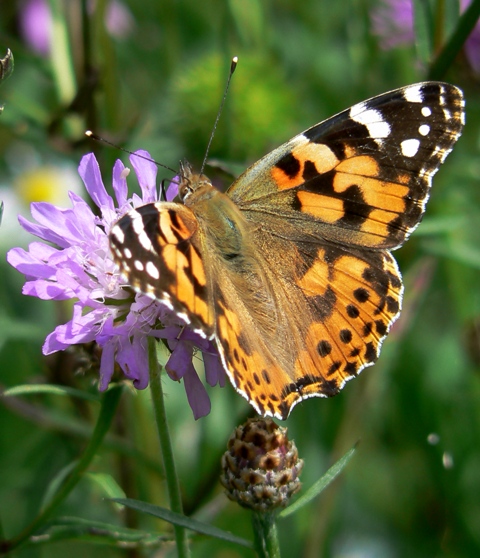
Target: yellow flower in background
{"x":45,"y":183}
{"x":42,"y":183}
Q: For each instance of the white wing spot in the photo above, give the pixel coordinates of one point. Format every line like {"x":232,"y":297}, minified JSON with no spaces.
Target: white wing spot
{"x":424,"y":129}
{"x":145,"y":241}
{"x":426,"y":111}
{"x":127,"y":253}
{"x":138,"y":265}
{"x":413,"y":94}
{"x":372,"y":119}
{"x":152,"y":270}
{"x":118,"y":234}
{"x":166,"y":300}
{"x":357,"y":109}
{"x":184,"y":317}
{"x":447,"y":114}
{"x":138,"y":228}
{"x":410,"y":147}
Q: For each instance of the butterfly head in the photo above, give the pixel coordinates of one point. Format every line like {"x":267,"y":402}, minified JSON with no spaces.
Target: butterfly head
{"x":191,"y":183}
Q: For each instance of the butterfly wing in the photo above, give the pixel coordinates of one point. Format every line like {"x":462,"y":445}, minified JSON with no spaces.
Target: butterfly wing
{"x":158,"y":248}
{"x":319,"y":317}
{"x":325,"y":208}
{"x":363,"y":175}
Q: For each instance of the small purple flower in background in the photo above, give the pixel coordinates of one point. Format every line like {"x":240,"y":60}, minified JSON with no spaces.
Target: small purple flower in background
{"x":79,"y":266}
{"x":118,"y":19}
{"x":35,"y":21}
{"x":472,"y":44}
{"x":393,"y":24}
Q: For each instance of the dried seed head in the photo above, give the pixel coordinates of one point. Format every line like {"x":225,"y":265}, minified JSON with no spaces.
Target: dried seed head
{"x":261,"y":466}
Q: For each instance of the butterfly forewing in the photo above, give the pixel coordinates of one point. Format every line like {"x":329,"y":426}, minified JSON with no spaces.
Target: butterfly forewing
{"x":306,"y":298}
{"x":365,"y":173}
{"x":156,"y":248}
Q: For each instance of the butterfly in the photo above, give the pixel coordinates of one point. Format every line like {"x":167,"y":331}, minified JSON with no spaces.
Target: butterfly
{"x":290,"y":270}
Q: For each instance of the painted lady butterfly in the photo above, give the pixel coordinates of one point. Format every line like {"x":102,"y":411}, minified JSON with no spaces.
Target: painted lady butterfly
{"x":290,"y":271}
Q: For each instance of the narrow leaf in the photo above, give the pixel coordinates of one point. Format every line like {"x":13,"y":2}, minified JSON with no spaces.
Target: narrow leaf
{"x":182,"y":520}
{"x":107,"y":484}
{"x":320,"y":485}
{"x":33,"y":389}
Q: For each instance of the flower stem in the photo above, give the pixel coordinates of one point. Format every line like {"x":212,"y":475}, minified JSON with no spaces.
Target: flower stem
{"x":265,"y":535}
{"x":107,"y":412}
{"x":166,"y":447}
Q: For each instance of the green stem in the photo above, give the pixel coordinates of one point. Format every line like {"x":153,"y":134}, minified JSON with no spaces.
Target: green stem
{"x":465,"y":26}
{"x":265,"y":535}
{"x":107,"y":412}
{"x":61,"y":55}
{"x":166,"y":447}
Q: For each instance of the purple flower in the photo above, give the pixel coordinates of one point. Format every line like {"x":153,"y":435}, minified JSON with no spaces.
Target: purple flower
{"x":79,"y":266}
{"x":472,"y":44}
{"x":393,"y":24}
{"x":35,"y":21}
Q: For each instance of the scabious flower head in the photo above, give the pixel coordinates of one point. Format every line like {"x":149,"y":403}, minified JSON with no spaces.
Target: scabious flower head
{"x":77,"y":264}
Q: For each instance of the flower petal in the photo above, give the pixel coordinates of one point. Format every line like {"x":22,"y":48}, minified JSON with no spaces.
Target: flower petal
{"x":196,"y":394}
{"x":107,"y":365}
{"x":172,"y":188}
{"x":119,"y":183}
{"x":90,"y":174}
{"x":28,"y":264}
{"x":214,"y":370}
{"x":146,"y":172}
{"x":180,"y":360}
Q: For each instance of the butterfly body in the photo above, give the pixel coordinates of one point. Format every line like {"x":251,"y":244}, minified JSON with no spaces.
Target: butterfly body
{"x":290,"y":269}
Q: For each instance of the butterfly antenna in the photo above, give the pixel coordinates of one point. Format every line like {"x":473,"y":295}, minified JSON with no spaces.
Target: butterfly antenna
{"x":232,"y":69}
{"x":93,"y":136}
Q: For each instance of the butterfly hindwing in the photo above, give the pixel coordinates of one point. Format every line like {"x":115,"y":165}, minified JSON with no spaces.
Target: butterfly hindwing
{"x":329,"y":309}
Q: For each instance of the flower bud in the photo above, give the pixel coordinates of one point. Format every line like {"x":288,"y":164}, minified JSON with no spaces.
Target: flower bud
{"x":261,"y":466}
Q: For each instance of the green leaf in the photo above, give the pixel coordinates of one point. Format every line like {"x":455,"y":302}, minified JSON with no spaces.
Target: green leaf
{"x":433,"y":226}
{"x":320,"y":485}
{"x":462,"y":252}
{"x":182,"y":520}
{"x":57,"y":481}
{"x":423,"y":28}
{"x":18,"y":329}
{"x":108,"y":485}
{"x":33,"y":389}
{"x":110,"y":400}
{"x":79,"y":529}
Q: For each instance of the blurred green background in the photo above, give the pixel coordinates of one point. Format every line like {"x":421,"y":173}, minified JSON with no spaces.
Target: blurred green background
{"x":150,"y":75}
